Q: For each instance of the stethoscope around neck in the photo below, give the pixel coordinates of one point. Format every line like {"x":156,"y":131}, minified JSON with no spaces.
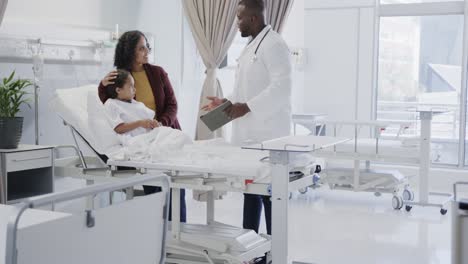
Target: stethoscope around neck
{"x":254,"y":58}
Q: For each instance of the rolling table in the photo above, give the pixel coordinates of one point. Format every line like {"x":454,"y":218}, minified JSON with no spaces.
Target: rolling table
{"x":282,"y":151}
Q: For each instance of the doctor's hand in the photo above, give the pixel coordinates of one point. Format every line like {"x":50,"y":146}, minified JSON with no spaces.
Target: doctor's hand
{"x":109,"y":79}
{"x":215,"y":102}
{"x":237,"y":110}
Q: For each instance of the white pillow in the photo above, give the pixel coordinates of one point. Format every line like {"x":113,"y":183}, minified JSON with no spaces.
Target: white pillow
{"x":70,"y":104}
{"x":104,"y":138}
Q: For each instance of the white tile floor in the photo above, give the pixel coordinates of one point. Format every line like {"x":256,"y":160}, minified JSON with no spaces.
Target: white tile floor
{"x":328,"y":227}
{"x":343,"y":227}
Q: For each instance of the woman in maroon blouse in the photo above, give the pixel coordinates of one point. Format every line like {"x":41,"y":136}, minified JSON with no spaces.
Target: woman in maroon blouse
{"x":131,"y":54}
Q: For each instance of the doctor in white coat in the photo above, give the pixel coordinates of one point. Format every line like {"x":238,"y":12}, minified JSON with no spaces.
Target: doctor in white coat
{"x":262,"y":94}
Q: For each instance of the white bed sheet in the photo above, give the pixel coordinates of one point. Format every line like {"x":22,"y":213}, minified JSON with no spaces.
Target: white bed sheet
{"x":217,"y":158}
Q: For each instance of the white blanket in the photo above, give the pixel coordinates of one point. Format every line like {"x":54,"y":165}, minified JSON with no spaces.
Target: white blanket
{"x":156,"y":144}
{"x":172,"y":147}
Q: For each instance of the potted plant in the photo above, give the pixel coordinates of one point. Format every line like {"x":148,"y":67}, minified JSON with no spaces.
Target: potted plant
{"x":12,"y":96}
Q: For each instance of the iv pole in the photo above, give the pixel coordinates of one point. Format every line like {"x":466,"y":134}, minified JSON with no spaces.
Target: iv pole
{"x":38,"y":66}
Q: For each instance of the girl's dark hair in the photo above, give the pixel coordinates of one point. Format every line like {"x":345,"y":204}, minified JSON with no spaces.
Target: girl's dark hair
{"x":125,"y":50}
{"x":119,"y":82}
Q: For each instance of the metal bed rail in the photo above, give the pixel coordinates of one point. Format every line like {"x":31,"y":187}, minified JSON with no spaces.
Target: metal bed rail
{"x":12,"y":228}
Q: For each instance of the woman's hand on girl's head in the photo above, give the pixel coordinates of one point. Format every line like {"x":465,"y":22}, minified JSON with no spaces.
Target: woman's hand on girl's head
{"x":109,"y":78}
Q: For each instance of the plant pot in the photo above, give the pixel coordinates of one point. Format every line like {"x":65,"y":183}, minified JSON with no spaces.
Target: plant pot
{"x":11,"y":129}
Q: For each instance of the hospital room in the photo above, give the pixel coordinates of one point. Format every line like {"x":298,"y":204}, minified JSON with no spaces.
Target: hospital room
{"x":234,"y":131}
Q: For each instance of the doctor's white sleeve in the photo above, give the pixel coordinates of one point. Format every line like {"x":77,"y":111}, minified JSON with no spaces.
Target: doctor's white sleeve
{"x":277,"y":95}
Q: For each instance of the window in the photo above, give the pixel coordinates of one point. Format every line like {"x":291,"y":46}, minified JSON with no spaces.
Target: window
{"x":420,"y":65}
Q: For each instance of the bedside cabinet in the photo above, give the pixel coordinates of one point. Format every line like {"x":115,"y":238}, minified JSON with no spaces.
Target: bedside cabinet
{"x":26,"y":171}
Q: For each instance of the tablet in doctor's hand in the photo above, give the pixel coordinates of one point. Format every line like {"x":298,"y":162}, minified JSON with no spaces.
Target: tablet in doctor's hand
{"x":217,"y":118}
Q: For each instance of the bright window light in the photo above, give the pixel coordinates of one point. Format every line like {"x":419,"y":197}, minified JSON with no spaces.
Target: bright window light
{"x":420,"y":65}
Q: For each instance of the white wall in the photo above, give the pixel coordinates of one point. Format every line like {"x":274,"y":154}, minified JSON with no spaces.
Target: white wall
{"x":293,"y":34}
{"x":338,"y":77}
{"x":91,"y":13}
{"x":163,"y":19}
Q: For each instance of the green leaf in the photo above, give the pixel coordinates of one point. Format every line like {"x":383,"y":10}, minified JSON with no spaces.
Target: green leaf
{"x":10,"y":78}
{"x":12,"y":95}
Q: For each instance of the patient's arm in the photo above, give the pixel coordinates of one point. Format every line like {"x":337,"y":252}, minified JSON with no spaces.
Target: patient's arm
{"x":145,"y":123}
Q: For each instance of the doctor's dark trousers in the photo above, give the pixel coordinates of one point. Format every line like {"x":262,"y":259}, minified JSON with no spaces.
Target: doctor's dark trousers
{"x":253,"y":211}
{"x":183,"y":210}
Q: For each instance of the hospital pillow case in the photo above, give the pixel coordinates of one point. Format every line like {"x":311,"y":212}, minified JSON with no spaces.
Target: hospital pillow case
{"x":104,"y":137}
{"x":81,"y":108}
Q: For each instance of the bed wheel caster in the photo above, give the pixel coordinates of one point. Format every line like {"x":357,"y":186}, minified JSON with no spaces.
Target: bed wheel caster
{"x":408,"y":208}
{"x":408,"y":195}
{"x":397,"y":202}
{"x":303,"y":190}
{"x":443,"y":211}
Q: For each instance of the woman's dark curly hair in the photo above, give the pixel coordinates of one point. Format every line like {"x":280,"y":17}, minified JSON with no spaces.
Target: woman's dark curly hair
{"x":119,"y":82}
{"x":126,"y":47}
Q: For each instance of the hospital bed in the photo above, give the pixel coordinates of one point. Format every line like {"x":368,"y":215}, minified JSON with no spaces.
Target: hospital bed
{"x":371,"y":148}
{"x":370,"y":145}
{"x":133,"y":231}
{"x":278,"y":184}
{"x":208,"y":167}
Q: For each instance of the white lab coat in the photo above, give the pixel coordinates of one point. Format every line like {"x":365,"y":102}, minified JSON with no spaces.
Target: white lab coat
{"x":264,"y":84}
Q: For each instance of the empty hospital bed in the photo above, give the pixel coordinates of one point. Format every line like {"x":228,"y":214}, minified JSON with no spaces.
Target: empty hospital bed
{"x":368,"y":145}
{"x":133,"y":231}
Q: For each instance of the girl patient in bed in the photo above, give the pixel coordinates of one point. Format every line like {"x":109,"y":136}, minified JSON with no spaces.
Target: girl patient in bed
{"x":130,"y":118}
{"x":134,"y":122}
{"x":127,"y":117}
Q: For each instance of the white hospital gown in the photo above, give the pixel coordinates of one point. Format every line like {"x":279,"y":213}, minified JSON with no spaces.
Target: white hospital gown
{"x":119,"y":112}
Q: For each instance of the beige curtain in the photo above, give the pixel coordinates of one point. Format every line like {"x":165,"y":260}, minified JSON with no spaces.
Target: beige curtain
{"x":3,"y":5}
{"x":276,"y":13}
{"x":213,"y":27}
